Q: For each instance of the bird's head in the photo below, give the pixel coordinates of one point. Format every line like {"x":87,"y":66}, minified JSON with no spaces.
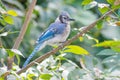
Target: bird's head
{"x":64,"y":17}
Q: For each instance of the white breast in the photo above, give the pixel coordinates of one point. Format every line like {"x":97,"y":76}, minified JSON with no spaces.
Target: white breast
{"x":60,"y":38}
{"x":66,"y":33}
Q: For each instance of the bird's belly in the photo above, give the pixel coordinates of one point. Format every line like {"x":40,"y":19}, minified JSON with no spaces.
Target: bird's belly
{"x":60,"y":37}
{"x":56,"y":40}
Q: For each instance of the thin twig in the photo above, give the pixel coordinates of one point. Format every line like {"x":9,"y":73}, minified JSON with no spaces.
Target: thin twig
{"x":46,"y":55}
{"x":23,"y":30}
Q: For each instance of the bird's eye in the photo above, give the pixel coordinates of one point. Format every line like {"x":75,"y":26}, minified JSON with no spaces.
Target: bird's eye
{"x":64,"y":17}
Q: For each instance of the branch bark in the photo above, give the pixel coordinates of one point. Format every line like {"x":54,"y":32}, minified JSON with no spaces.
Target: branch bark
{"x":23,"y":30}
{"x":46,"y":55}
{"x":25,"y":24}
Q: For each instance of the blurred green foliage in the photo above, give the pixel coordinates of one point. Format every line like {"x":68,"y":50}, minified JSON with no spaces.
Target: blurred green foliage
{"x":102,"y":42}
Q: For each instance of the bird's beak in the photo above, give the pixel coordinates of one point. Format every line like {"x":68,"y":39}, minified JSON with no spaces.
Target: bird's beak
{"x":70,"y":19}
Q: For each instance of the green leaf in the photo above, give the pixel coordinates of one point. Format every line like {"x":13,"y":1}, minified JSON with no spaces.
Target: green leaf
{"x":76,"y":50}
{"x":45,"y":76}
{"x":103,"y":10}
{"x":2,"y":11}
{"x":11,"y":54}
{"x":81,"y":39}
{"x":100,"y":24}
{"x":4,"y":34}
{"x":105,"y":44}
{"x":110,"y":1}
{"x":2,"y":78}
{"x":108,"y":18}
{"x":89,"y":37}
{"x":115,"y":67}
{"x":30,"y":76}
{"x":107,"y":52}
{"x":63,"y":79}
{"x":71,"y":62}
{"x":115,"y":45}
{"x":2,"y":22}
{"x":8,"y":19}
{"x":95,"y":61}
{"x":76,"y":74}
{"x":85,"y":2}
{"x":2,"y":6}
{"x":17,"y":52}
{"x":18,"y":59}
{"x":12,"y":12}
{"x":11,"y":77}
{"x":91,"y":5}
{"x":112,"y":59}
{"x":67,"y":68}
{"x":2,"y":71}
{"x":118,"y":12}
{"x":3,"y":53}
{"x":115,"y":7}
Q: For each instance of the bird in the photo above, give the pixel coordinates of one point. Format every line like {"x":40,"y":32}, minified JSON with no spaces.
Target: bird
{"x":55,"y":34}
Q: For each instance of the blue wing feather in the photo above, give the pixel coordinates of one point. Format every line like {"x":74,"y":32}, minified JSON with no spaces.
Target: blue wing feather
{"x":49,"y":33}
{"x":53,"y":29}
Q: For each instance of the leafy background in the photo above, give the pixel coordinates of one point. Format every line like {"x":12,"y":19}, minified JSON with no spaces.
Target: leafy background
{"x":95,"y":56}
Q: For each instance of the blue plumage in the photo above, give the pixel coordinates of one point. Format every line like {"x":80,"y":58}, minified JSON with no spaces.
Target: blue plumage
{"x":32,"y":54}
{"x":57,"y":32}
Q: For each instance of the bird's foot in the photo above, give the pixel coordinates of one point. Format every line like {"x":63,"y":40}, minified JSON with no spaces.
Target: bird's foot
{"x":62,"y":42}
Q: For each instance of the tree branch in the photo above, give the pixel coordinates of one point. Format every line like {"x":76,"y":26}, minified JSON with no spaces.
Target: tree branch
{"x":23,"y":30}
{"x":46,"y":55}
{"x":25,"y":25}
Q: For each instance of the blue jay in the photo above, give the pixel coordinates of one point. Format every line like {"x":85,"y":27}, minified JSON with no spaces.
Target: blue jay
{"x":56,"y":33}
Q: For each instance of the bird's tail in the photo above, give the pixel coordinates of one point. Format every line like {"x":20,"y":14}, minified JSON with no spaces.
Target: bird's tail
{"x":37,"y":48}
